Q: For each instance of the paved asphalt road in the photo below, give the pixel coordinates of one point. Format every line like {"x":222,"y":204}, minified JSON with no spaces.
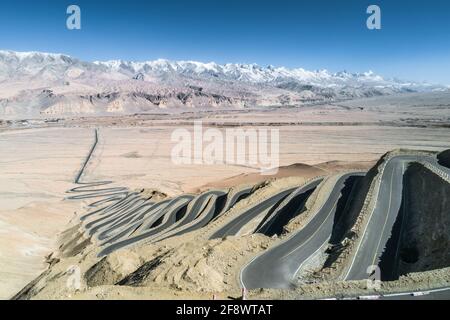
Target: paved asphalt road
{"x":168,"y":214}
{"x":379,"y":227}
{"x":126,"y":219}
{"x":291,"y":206}
{"x":432,"y":294}
{"x":233,"y":227}
{"x":278,"y":266}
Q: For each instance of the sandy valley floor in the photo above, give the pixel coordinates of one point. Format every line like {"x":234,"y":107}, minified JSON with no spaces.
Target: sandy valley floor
{"x":37,"y":167}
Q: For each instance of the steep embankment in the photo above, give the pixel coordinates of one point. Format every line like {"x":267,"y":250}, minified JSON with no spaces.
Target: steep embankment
{"x":420,"y":239}
{"x":406,"y":190}
{"x":444,"y":158}
{"x":370,"y":231}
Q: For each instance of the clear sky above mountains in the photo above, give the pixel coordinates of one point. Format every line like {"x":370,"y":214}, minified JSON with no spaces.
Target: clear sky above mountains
{"x":414,"y":42}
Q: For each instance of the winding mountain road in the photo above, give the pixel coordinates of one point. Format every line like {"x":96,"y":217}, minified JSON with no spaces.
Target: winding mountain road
{"x":120,"y":218}
{"x":233,"y":227}
{"x":378,"y":229}
{"x":278,"y":266}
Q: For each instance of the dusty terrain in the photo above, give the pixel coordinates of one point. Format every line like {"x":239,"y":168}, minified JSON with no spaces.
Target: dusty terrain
{"x":39,"y":165}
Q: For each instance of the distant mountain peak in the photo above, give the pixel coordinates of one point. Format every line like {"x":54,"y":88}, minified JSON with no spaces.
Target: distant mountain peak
{"x":122,"y":86}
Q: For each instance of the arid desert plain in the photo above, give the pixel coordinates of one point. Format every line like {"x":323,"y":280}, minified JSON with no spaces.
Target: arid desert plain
{"x":41,"y":232}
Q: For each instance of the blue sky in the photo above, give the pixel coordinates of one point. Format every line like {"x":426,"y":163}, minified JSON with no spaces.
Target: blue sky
{"x":414,"y":42}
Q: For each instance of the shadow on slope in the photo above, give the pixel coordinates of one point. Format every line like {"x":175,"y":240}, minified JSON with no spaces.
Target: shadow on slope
{"x":420,"y":238}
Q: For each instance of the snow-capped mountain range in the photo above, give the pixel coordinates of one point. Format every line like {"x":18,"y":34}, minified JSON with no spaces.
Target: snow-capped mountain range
{"x":35,"y":83}
{"x":251,"y":73}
